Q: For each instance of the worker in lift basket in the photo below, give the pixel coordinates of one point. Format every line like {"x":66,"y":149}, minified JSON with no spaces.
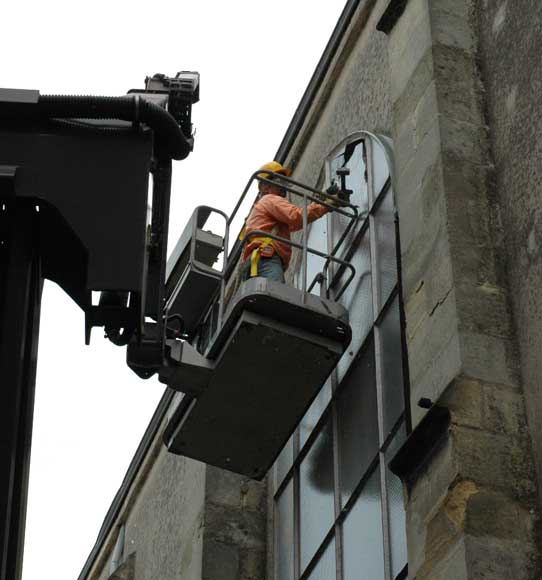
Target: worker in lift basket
{"x":273,"y":213}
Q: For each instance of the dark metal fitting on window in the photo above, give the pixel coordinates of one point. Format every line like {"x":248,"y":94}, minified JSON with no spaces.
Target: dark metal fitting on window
{"x":425,"y":403}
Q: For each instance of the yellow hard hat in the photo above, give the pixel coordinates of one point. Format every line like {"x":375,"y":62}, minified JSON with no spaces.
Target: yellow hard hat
{"x":276,"y":167}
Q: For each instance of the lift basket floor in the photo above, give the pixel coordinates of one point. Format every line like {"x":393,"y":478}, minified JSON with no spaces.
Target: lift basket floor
{"x":266,"y":376}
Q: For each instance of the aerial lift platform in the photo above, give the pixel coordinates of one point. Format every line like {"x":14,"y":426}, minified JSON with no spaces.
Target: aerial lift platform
{"x":249,"y":366}
{"x":247,"y":359}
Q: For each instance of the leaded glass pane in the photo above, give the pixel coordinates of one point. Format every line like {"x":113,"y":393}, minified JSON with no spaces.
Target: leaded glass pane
{"x":284,"y":536}
{"x":284,"y":461}
{"x":392,"y":366}
{"x":357,"y":422}
{"x":363,"y":548}
{"x":326,"y":568}
{"x":396,"y":509}
{"x":314,"y":413}
{"x":386,"y":256}
{"x":381,"y":170}
{"x":316,"y":494}
{"x":358,"y":300}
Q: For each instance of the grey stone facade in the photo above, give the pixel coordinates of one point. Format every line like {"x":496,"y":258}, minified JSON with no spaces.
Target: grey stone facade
{"x":510,"y":36}
{"x":472,"y":512}
{"x":455,"y":84}
{"x":185,"y":520}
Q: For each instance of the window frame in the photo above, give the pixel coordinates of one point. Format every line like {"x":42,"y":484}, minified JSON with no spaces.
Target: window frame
{"x":330,"y":412}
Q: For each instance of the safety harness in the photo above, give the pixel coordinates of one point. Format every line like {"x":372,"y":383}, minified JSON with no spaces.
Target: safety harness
{"x":266,"y":248}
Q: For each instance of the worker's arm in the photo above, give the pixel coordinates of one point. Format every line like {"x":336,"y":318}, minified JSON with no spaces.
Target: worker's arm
{"x":288,"y":213}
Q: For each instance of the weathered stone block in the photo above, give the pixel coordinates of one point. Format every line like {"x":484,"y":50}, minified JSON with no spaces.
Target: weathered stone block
{"x":409,"y":41}
{"x":222,"y":487}
{"x":458,"y":88}
{"x":463,"y":140}
{"x":244,"y":528}
{"x":220,"y":561}
{"x":229,"y":489}
{"x":406,"y":102}
{"x":493,"y":559}
{"x":494,"y":514}
{"x":405,"y":145}
{"x":460,"y":8}
{"x":483,"y":310}
{"x":464,"y":398}
{"x":429,"y":491}
{"x":495,"y":461}
{"x":251,"y":565}
{"x":426,"y":113}
{"x":488,"y":358}
{"x":504,"y":411}
{"x":452,"y":566}
{"x":451,"y":29}
{"x":440,"y":371}
{"x":427,"y":258}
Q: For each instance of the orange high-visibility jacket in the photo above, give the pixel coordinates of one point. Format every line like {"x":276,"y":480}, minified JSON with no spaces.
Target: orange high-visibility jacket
{"x":273,"y":211}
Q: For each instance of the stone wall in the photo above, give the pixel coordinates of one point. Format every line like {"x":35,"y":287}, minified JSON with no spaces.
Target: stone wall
{"x":510,"y":48}
{"x":354,"y":96}
{"x":234,"y":546}
{"x":187,"y":521}
{"x":471,"y":509}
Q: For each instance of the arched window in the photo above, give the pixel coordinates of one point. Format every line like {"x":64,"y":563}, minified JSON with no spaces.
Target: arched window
{"x":338,"y":509}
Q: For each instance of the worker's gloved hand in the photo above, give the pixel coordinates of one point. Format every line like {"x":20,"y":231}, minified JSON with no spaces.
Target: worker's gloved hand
{"x":334,"y":192}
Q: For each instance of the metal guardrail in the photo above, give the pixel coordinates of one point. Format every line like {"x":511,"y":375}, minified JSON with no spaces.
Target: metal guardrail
{"x":287,"y":183}
{"x":329,"y":258}
{"x":307,"y":193}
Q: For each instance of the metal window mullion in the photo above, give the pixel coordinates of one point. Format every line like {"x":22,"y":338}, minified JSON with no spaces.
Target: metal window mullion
{"x":330,"y":292}
{"x":402,"y":322}
{"x":305,"y":240}
{"x":335,"y":431}
{"x":297,"y":507}
{"x":382,"y":462}
{"x":275,"y":534}
{"x":378,"y":365}
{"x":337,"y":491}
{"x":385,"y":517}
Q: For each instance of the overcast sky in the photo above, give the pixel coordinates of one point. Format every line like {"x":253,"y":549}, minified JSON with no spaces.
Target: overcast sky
{"x":255,"y":59}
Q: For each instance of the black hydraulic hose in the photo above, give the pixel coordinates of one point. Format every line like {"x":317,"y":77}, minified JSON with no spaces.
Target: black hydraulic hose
{"x":171,"y":139}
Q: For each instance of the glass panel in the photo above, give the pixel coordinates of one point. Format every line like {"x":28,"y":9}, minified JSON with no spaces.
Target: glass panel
{"x":356,"y":181}
{"x":326,"y":568}
{"x":284,"y":461}
{"x":284,"y":534}
{"x":363,"y":547}
{"x":315,"y":412}
{"x":396,"y":509}
{"x":392,"y":367}
{"x":386,"y":257}
{"x":353,"y":157}
{"x":357,"y":422}
{"x":381,"y":170}
{"x":316,"y":494}
{"x":359,"y":302}
{"x":316,"y":240}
